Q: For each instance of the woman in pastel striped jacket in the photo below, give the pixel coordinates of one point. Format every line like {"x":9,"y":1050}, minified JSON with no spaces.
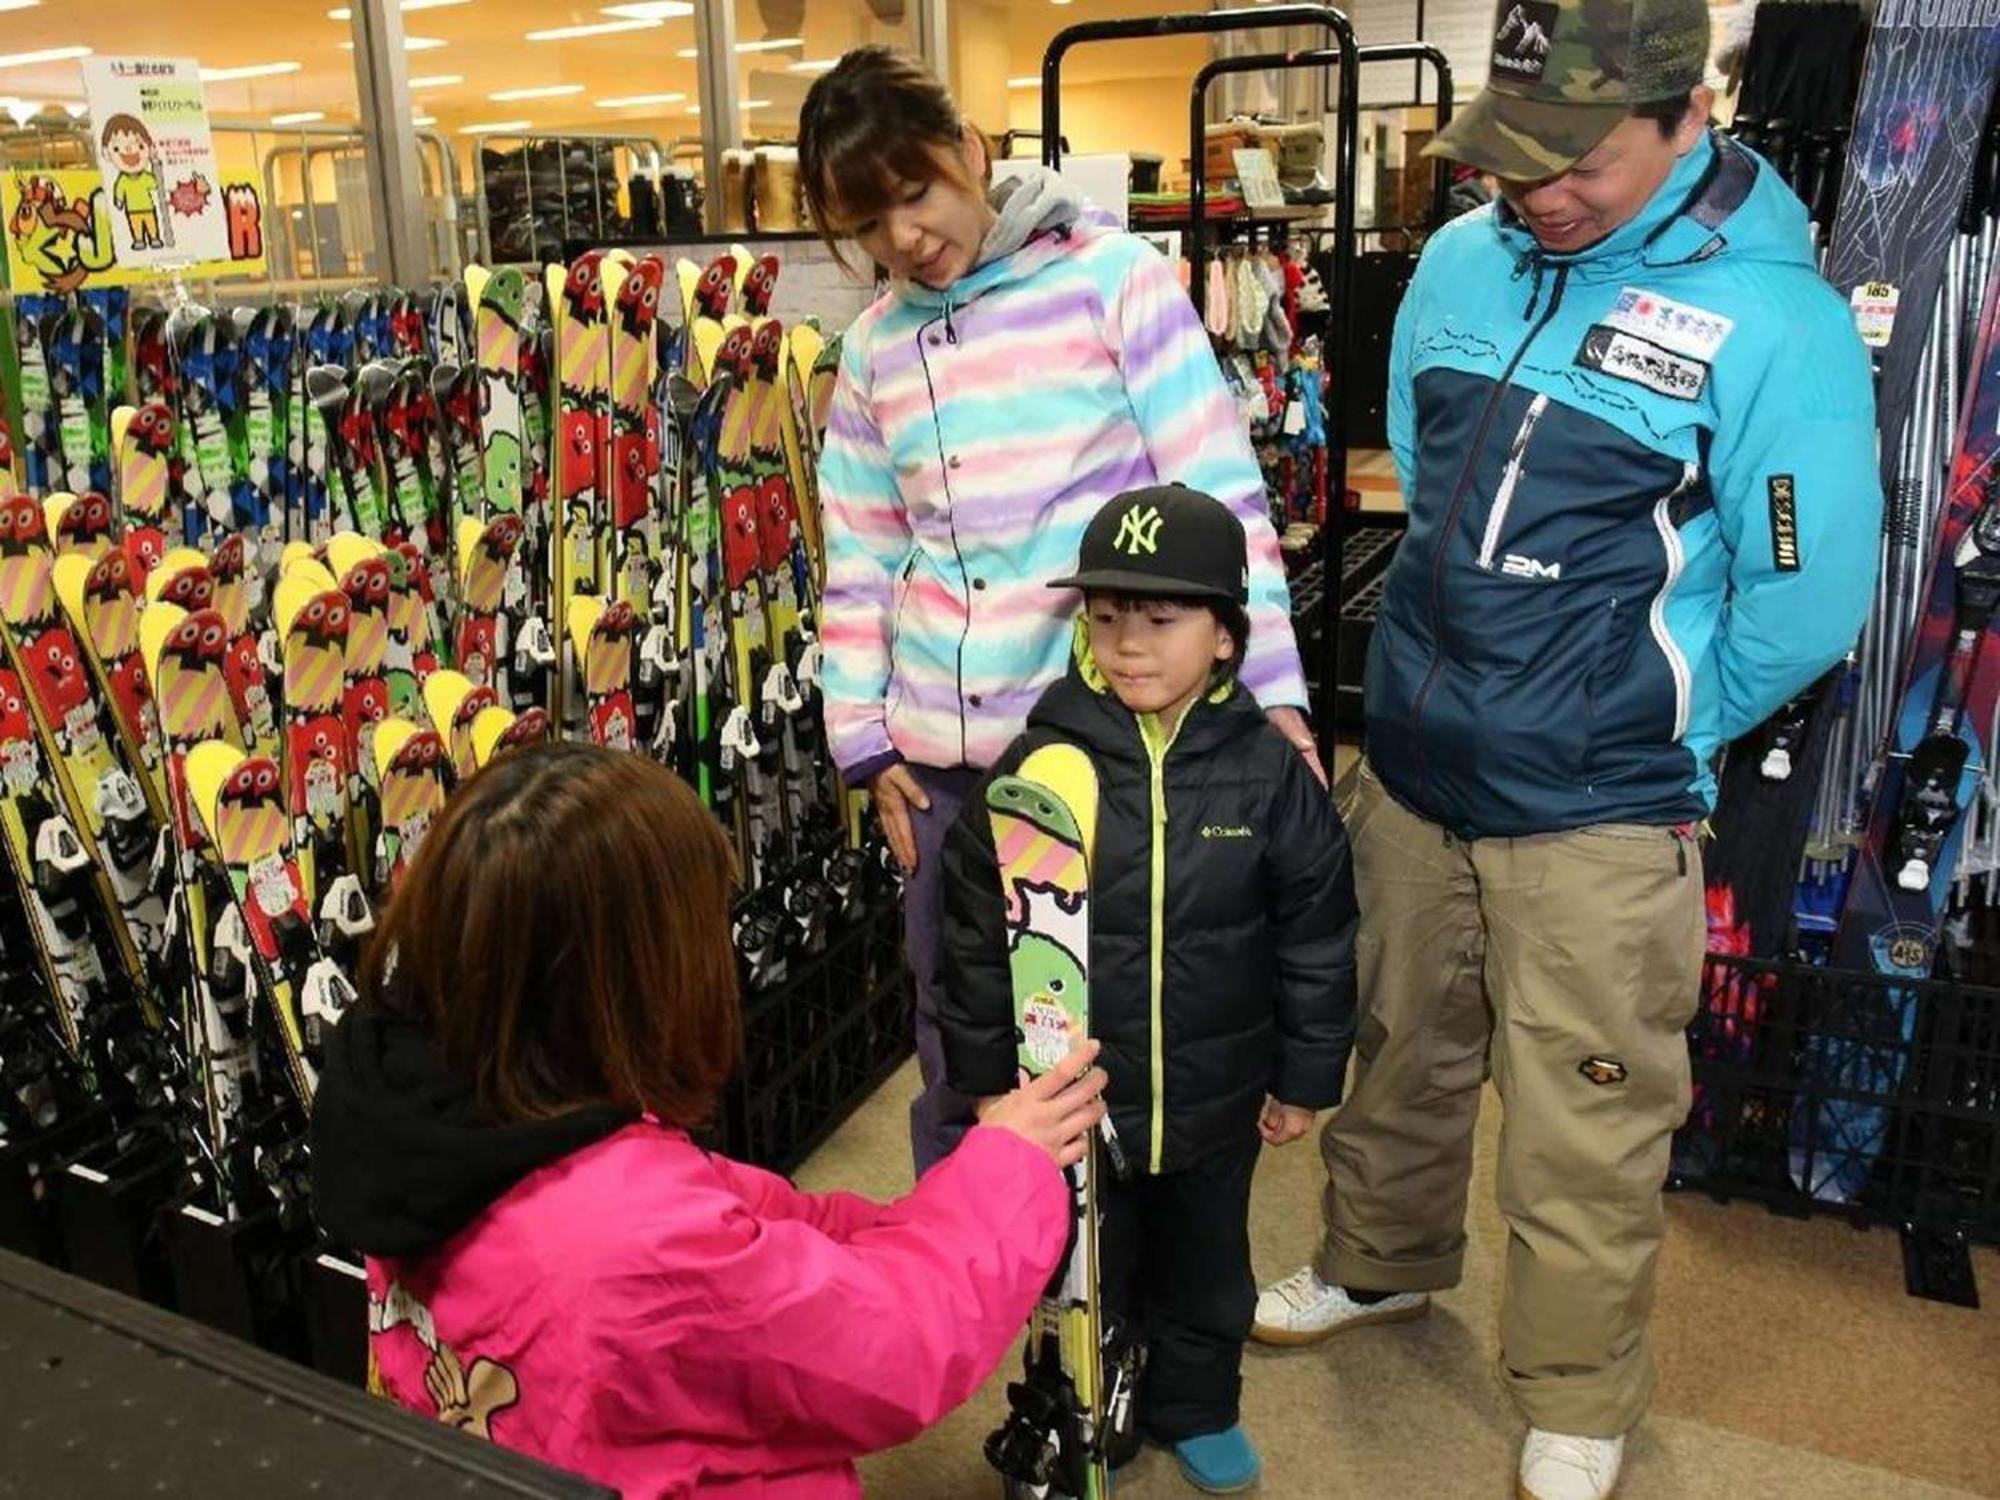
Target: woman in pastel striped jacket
{"x":1029,"y":361}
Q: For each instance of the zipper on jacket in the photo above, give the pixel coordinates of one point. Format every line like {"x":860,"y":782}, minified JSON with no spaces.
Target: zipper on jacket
{"x":1156,"y":757}
{"x":1457,"y":507}
{"x":1670,"y":542}
{"x":1510,"y":479}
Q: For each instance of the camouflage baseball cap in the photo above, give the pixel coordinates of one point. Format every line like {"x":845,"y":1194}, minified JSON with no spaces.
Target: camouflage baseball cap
{"x":1565,"y":72}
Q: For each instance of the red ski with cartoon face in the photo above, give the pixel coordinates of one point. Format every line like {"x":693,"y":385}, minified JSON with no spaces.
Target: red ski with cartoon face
{"x":740,"y":549}
{"x":56,"y":675}
{"x":85,"y":527}
{"x":607,"y":676}
{"x":717,"y":285}
{"x":631,"y":492}
{"x":577,"y":447}
{"x":583,"y":287}
{"x":639,"y":297}
{"x":775,"y":518}
{"x":111,"y":619}
{"x":250,"y":832}
{"x":192,"y":589}
{"x":760,"y":283}
{"x":152,"y":430}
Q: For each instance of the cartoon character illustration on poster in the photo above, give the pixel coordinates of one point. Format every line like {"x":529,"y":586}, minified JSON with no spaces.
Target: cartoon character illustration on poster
{"x":128,"y":146}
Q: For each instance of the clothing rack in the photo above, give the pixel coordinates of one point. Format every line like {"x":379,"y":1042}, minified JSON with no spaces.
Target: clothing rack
{"x":1346,"y":54}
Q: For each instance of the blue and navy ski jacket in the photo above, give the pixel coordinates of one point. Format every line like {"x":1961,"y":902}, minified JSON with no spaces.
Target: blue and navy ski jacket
{"x":1643,"y":506}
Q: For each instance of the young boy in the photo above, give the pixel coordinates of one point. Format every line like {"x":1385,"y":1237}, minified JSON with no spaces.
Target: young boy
{"x":1221,"y":951}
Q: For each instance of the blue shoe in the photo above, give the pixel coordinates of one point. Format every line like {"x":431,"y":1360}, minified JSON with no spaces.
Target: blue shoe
{"x":1219,"y":1463}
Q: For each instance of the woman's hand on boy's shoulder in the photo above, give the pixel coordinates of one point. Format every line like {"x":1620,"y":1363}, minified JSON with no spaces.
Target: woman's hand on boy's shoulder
{"x":1290,"y":723}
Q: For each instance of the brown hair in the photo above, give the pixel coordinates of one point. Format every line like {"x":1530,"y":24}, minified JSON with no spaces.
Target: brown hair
{"x":869,"y":128}
{"x":127,"y":125}
{"x":563,"y":936}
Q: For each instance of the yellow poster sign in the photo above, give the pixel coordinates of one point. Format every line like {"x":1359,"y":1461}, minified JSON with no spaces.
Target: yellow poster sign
{"x":59,"y":235}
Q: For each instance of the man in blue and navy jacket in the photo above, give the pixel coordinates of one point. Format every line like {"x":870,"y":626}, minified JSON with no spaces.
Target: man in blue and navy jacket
{"x":1635,"y":430}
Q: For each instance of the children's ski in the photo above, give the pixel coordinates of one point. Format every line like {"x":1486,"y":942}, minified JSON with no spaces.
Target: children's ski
{"x":1044,"y":821}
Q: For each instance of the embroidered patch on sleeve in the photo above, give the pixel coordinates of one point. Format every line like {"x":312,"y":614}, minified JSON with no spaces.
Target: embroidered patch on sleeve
{"x":1626,"y":356}
{"x":1784,"y":523}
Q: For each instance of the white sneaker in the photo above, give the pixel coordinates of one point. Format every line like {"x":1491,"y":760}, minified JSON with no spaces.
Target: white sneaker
{"x":1302,"y":1309}
{"x":1563,"y":1466}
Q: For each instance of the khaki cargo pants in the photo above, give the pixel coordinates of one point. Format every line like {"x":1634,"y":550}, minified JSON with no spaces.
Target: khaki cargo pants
{"x":1568,"y":966}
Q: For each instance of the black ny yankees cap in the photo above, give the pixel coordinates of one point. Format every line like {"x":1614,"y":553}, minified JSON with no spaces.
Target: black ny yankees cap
{"x":1164,"y":540}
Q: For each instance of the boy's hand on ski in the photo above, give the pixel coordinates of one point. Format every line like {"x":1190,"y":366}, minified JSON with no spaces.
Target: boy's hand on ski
{"x":1283,"y":1123}
{"x":1056,"y":1111}
{"x":896,"y":791}
{"x":1298,"y":734}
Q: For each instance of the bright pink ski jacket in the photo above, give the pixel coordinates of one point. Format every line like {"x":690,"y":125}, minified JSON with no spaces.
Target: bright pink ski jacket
{"x":677,"y":1324}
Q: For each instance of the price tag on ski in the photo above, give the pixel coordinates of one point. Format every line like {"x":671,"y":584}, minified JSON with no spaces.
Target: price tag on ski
{"x":1874,"y":305}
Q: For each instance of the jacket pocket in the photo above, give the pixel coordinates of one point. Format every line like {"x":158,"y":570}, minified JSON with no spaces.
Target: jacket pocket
{"x":1510,"y":481}
{"x":901,"y":598}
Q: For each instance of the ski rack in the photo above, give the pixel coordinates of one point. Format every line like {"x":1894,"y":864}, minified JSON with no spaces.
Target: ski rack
{"x":1851,"y":1094}
{"x":1345,"y":54}
{"x":1334,"y":532}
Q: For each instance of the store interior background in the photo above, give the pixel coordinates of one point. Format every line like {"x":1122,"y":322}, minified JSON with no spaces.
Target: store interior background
{"x":284,"y":93}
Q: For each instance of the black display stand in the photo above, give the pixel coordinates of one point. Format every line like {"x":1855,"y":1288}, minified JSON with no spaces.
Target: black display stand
{"x":102,"y":1395}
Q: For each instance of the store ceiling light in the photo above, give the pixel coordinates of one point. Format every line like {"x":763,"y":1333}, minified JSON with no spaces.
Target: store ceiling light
{"x":345,"y":13}
{"x":47,"y":54}
{"x":597,"y":28}
{"x":495,"y":127}
{"x":437,"y":80}
{"x":19,"y":4}
{"x":544,"y":91}
{"x":299,"y":117}
{"x":634,"y":101}
{"x":695,"y":109}
{"x":1024,"y":83}
{"x":423,"y":119}
{"x":769,"y":44}
{"x":813,"y":65}
{"x":254,"y":70}
{"x":410,"y":44}
{"x":651,"y":10}
{"x":76,"y":111}
{"x":20,"y":111}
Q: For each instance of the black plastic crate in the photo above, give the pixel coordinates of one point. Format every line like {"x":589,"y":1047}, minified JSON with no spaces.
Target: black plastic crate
{"x":820,"y":1042}
{"x":1830,"y":1091}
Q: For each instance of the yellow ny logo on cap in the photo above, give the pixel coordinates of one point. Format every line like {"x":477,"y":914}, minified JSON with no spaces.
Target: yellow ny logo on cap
{"x":1138,"y":531}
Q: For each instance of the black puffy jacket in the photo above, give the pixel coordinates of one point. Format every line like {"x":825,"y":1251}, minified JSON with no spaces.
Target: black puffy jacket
{"x":1254,"y":990}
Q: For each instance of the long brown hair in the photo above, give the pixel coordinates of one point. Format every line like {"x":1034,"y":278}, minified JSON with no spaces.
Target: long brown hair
{"x":870,"y":128}
{"x":563,"y":936}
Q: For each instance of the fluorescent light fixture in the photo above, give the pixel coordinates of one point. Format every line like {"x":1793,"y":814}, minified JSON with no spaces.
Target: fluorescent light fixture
{"x":410,"y":44}
{"x":346,"y":14}
{"x":1024,"y":83}
{"x":254,"y":70}
{"x":769,"y":44}
{"x":47,"y":54}
{"x":495,"y":127}
{"x":299,"y":117}
{"x":634,"y":101}
{"x":598,"y":28}
{"x":437,"y":80}
{"x":695,"y":109}
{"x":423,"y":119}
{"x":19,"y":4}
{"x":543,"y":91}
{"x":813,"y":65}
{"x":651,"y":10}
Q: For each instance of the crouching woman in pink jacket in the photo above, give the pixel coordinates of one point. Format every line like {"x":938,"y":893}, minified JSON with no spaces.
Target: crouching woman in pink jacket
{"x":553,"y":1263}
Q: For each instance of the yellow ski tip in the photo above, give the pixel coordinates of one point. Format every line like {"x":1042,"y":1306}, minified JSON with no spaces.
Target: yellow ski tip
{"x":54,"y":504}
{"x":470,"y":532}
{"x":155,"y":625}
{"x":209,"y":765}
{"x":308,"y":569}
{"x":391,"y":735}
{"x":175,"y":563}
{"x":444,"y":691}
{"x":349,"y":548}
{"x":1067,"y":771}
{"x":585,"y":610}
{"x":293,"y":593}
{"x":121,"y":420}
{"x":476,"y":277}
{"x":72,"y":578}
{"x":487,"y":732}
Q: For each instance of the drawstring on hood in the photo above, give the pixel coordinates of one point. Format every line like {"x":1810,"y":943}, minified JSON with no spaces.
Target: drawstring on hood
{"x":1036,"y":202}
